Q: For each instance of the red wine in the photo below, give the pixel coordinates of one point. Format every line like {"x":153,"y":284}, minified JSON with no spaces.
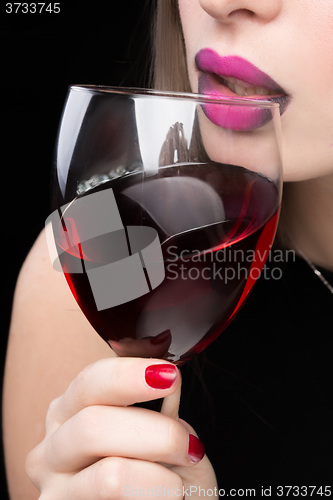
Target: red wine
{"x":215,"y":224}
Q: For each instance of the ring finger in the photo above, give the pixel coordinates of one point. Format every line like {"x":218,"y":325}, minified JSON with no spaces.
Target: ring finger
{"x":115,"y":478}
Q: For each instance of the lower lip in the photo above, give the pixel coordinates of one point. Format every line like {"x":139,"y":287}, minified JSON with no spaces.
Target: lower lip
{"x":238,"y":118}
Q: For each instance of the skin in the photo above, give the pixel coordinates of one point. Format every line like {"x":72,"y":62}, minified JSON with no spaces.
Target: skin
{"x":291,"y":42}
{"x":47,"y":383}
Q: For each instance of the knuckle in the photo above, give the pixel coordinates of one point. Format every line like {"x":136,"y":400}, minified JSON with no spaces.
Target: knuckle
{"x":109,"y":477}
{"x":79,"y":385}
{"x":34,"y":464}
{"x":174,"y":435}
{"x":87,"y":424}
{"x":82,"y":376}
{"x":52,"y":412}
{"x":80,"y":434}
{"x":88,"y":417}
{"x":92,"y":376}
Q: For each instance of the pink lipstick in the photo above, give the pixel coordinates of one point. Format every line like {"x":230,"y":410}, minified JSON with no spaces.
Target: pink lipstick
{"x":231,"y":77}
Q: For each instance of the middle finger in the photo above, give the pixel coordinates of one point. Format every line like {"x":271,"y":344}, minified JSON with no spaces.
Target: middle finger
{"x":103,"y":431}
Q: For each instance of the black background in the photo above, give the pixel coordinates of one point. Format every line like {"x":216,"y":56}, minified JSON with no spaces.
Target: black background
{"x":97,"y":42}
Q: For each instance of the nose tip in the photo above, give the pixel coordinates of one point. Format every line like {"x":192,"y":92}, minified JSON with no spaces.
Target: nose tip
{"x":229,"y":11}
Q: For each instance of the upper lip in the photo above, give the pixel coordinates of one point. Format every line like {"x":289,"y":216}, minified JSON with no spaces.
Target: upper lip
{"x":209,"y":61}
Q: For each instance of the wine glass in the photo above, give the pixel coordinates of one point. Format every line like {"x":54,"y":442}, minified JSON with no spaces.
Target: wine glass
{"x":165,"y":209}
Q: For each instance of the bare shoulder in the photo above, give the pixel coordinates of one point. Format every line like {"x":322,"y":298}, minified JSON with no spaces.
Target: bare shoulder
{"x":50,"y":342}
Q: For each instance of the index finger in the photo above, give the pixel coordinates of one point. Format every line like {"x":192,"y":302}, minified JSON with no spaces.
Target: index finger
{"x":115,"y":382}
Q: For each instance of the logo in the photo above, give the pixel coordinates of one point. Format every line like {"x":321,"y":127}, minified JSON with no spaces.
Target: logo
{"x":88,"y":236}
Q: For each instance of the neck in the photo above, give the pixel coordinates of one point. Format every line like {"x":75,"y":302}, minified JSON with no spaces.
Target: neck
{"x":308,"y":217}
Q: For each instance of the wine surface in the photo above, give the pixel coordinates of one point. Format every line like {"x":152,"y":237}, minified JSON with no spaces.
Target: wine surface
{"x":188,"y":244}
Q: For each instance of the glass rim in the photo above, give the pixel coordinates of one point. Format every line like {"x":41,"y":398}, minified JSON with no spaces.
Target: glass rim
{"x":200,"y":98}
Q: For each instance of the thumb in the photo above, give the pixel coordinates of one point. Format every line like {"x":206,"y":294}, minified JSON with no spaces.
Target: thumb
{"x":170,"y":406}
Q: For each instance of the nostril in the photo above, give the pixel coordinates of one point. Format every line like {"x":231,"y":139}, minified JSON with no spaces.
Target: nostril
{"x":242,"y":13}
{"x":228,"y":11}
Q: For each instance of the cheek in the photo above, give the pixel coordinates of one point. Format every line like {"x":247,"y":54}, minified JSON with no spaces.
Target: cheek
{"x":308,"y":125}
{"x":188,"y":16}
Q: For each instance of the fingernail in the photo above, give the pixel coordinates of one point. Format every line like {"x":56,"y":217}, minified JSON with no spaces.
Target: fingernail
{"x":160,"y":376}
{"x":196,"y":450}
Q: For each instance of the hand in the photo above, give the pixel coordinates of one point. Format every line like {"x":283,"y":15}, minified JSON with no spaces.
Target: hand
{"x":97,"y":446}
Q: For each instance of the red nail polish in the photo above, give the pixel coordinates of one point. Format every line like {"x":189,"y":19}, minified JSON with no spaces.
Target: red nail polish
{"x":160,"y":376}
{"x":196,"y":450}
